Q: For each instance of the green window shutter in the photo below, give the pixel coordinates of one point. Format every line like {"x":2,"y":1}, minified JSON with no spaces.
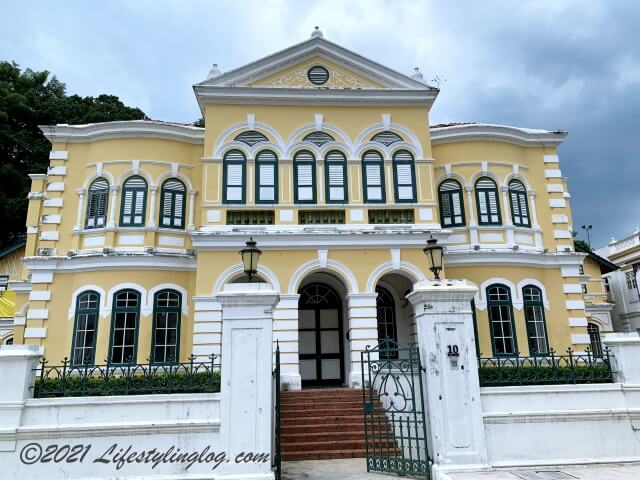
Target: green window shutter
{"x":304,"y":176}
{"x":234,"y":172}
{"x":501,"y":321}
{"x":404,"y":172}
{"x":97,"y":202}
{"x":535,"y":320}
{"x":373,"y":177}
{"x":487,"y":201}
{"x":451,"y":204}
{"x":519,"y":205}
{"x":85,"y":329}
{"x":266,"y":177}
{"x":165,"y":335}
{"x":172,"y":204}
{"x":134,"y":202}
{"x":125,"y":317}
{"x":335,"y":172}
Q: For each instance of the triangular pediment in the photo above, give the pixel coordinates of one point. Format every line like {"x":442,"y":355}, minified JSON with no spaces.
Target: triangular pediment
{"x":289,"y":68}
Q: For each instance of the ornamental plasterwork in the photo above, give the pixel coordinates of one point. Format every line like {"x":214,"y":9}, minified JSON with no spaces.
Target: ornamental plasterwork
{"x":298,"y":78}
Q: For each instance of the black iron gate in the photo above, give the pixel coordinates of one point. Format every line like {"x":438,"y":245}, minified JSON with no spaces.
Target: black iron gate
{"x":276,"y":465}
{"x":394,"y":418}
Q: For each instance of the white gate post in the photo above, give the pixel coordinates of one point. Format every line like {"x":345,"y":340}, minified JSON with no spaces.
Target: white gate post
{"x":246,"y":372}
{"x":447,"y":348}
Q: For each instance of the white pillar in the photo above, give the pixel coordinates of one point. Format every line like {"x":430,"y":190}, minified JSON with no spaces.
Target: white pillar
{"x":112,"y":207}
{"x":78,"y":226}
{"x":152,"y":207}
{"x":625,"y":356}
{"x":473,"y":224}
{"x":192,"y":203}
{"x":17,"y":376}
{"x":363,"y":331}
{"x":447,"y":349}
{"x":285,"y":332}
{"x":246,"y":372}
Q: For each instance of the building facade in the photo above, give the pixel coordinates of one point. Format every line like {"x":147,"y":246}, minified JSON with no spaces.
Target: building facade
{"x":327,"y":160}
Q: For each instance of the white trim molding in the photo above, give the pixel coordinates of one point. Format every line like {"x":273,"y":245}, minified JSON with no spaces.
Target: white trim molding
{"x":122,"y":129}
{"x":406,"y":269}
{"x":498,"y":133}
{"x":238,"y":268}
{"x":346,"y":276}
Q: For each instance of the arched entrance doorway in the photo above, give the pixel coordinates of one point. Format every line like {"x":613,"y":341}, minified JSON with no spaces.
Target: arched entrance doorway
{"x":320,"y":335}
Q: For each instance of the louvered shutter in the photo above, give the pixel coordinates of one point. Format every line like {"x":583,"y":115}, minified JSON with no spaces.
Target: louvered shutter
{"x":233,"y":164}
{"x":178,"y":210}
{"x":403,"y":161}
{"x":374,"y":176}
{"x":251,"y":137}
{"x":172,"y":204}
{"x":304,"y":164}
{"x":127,"y":207}
{"x":266,"y":167}
{"x":335,"y":164}
{"x":451,"y":206}
{"x":487,"y":198}
{"x":519,"y":206}
{"x":386,"y":138}
{"x":134,"y":192}
{"x":97,"y":203}
{"x":319,"y":138}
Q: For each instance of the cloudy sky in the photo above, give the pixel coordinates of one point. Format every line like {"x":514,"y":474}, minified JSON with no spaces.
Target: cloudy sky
{"x":556,"y":64}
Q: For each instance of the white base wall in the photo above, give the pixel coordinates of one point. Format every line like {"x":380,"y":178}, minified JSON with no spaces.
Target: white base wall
{"x":561,"y":424}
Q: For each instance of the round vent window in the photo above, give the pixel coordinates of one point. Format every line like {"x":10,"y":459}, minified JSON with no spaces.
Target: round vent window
{"x":318,"y":75}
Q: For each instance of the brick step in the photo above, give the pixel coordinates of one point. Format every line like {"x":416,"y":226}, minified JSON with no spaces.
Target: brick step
{"x":323,"y":455}
{"x":322,"y":412}
{"x":305,"y":402}
{"x":326,"y":420}
{"x":327,"y":436}
{"x":322,"y":428}
{"x":328,"y":393}
{"x":321,"y":446}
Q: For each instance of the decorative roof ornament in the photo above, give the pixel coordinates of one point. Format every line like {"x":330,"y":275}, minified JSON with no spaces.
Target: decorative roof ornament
{"x":214,"y":72}
{"x":317,"y":33}
{"x":417,"y":75}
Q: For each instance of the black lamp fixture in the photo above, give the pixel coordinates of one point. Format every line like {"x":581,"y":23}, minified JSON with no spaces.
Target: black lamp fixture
{"x":250,"y":255}
{"x":433,"y":251}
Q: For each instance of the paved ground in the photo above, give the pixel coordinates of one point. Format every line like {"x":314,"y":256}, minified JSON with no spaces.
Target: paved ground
{"x":356,"y":469}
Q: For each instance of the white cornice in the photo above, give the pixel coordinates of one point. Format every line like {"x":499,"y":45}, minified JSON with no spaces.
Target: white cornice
{"x":499,"y":133}
{"x":512,"y":258}
{"x":99,"y":262}
{"x":123,"y":129}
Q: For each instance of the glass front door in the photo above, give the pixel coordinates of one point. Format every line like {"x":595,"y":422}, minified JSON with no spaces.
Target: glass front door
{"x":320,"y":336}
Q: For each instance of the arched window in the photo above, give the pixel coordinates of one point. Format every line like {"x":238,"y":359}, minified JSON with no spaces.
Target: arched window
{"x":133,"y":206}
{"x":519,"y":204}
{"x":165,"y":341}
{"x":304,"y":177}
{"x":319,"y":138}
{"x":85,"y":329}
{"x":534,"y":318}
{"x":373,"y":177}
{"x":387,"y":328}
{"x":124,"y":326}
{"x":451,"y":204}
{"x":594,"y":339}
{"x":233,"y":167}
{"x":173,"y":204}
{"x":8,"y":341}
{"x":487,"y":202}
{"x":266,"y":177}
{"x":97,"y":202}
{"x":251,"y":137}
{"x":405,"y":177}
{"x":335,"y":171}
{"x":386,"y":138}
{"x":501,"y":324}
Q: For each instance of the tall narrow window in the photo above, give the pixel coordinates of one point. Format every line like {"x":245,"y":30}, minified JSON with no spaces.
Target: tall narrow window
{"x":85,"y":329}
{"x":266,"y":177}
{"x":172,"y":204}
{"x":386,"y":313}
{"x":501,"y":325}
{"x":124,"y":326}
{"x":134,"y":202}
{"x":519,"y":204}
{"x":335,"y":171}
{"x":233,"y":166}
{"x":534,"y":317}
{"x":97,"y":202}
{"x":451,"y":204}
{"x":487,"y":202}
{"x":165,"y":346}
{"x":304,"y":177}
{"x":373,"y":177}
{"x":594,"y":339}
{"x":405,"y":177}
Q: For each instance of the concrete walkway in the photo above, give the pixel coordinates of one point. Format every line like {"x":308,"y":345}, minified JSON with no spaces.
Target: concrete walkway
{"x":356,"y":469}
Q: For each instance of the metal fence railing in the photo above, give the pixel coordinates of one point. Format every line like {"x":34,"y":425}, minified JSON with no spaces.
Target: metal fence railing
{"x":66,"y":380}
{"x":551,"y":369}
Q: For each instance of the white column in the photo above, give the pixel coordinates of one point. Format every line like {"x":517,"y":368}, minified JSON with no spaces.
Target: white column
{"x":246,"y":374}
{"x":78,"y":225}
{"x":152,"y":207}
{"x":17,"y":375}
{"x":473,"y":224}
{"x":112,"y":206}
{"x":192,"y":203}
{"x":285,"y":332}
{"x":625,"y":355}
{"x":447,"y":349}
{"x":207,"y":328}
{"x":363,"y":331}
{"x":508,"y":222}
{"x":534,"y":220}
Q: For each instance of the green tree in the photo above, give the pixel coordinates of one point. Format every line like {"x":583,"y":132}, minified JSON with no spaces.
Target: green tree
{"x":28,"y":99}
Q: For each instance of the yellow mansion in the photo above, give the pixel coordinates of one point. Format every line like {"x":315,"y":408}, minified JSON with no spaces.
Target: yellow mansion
{"x":327,"y":160}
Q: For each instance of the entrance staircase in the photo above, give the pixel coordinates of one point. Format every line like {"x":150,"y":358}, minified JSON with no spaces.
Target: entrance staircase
{"x":324,"y":424}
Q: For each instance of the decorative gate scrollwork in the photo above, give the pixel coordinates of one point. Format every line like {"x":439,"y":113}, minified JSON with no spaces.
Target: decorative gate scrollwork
{"x":394,"y":419}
